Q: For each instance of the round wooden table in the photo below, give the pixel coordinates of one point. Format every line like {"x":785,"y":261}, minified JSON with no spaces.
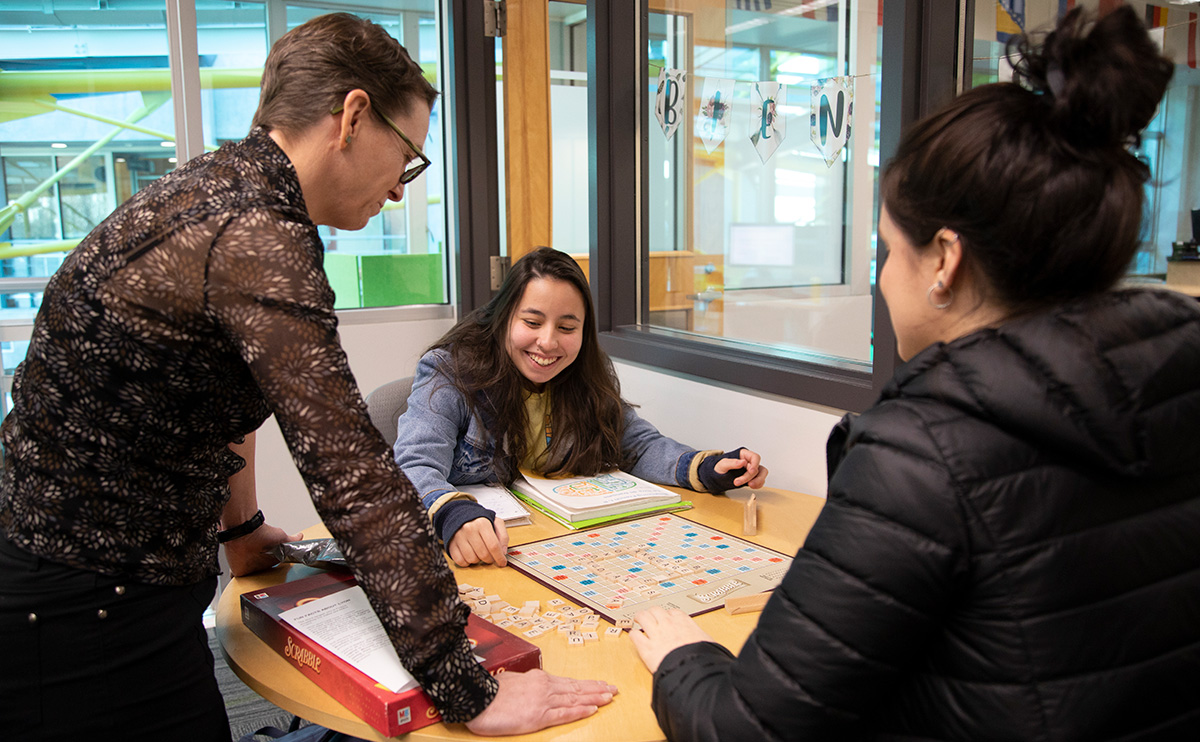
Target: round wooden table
{"x":784,"y":519}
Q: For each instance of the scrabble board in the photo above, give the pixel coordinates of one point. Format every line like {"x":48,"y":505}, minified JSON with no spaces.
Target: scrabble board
{"x":663,"y":560}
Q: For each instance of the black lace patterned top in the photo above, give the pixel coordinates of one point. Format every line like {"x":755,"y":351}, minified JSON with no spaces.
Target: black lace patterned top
{"x":195,"y":311}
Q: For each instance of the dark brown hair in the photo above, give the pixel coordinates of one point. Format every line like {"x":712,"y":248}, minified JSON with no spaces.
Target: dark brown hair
{"x":588,"y":412}
{"x":1036,"y":176}
{"x":312,"y":68}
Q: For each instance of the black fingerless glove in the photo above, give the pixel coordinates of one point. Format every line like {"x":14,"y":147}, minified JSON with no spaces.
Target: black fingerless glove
{"x":718,"y":483}
{"x":456,"y":514}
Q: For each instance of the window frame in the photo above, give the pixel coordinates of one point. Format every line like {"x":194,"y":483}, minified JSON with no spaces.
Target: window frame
{"x":181,"y":23}
{"x":921,"y":56}
{"x":475,"y":166}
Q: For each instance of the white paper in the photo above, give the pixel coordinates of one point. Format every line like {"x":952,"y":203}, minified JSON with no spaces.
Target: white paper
{"x":500,"y":501}
{"x":345,"y":625}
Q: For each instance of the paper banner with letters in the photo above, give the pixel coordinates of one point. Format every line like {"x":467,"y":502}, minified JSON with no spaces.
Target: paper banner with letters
{"x":671,"y":100}
{"x":831,"y":115}
{"x":716,"y":106}
{"x":768,"y":127}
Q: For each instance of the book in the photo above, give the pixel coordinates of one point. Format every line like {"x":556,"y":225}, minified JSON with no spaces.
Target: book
{"x":584,"y":502}
{"x":330,"y":605}
{"x":499,"y":500}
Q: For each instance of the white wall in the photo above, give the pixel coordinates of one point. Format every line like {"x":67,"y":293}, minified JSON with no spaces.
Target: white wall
{"x":378,"y":354}
{"x":789,"y":435}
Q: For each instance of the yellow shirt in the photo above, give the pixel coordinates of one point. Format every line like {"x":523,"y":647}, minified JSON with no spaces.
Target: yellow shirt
{"x":537,"y":430}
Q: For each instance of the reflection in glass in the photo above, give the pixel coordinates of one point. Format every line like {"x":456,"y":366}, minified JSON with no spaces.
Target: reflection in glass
{"x":1170,"y":144}
{"x":775,"y":254}
{"x":76,"y":146}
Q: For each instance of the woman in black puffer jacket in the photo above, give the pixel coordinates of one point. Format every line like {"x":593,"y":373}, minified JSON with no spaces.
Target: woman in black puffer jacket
{"x":1011,"y":545}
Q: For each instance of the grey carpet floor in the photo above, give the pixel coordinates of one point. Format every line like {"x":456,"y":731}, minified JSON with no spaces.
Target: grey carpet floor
{"x":247,"y":710}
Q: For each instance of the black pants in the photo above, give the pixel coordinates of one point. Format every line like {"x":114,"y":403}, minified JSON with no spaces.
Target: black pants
{"x":86,"y":656}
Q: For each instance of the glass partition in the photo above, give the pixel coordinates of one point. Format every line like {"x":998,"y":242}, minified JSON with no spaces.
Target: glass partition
{"x":1170,"y":145}
{"x":86,"y":121}
{"x":763,"y":156}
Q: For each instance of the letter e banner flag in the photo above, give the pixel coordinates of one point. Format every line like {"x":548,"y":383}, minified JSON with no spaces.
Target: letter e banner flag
{"x":831,"y":115}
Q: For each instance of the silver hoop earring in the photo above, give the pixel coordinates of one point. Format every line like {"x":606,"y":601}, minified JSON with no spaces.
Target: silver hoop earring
{"x":939,"y":286}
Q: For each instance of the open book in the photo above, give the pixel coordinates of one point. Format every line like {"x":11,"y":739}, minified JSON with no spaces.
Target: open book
{"x":583,"y":502}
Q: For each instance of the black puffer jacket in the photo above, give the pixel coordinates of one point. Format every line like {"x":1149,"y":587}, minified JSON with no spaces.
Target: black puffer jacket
{"x":1010,"y":551}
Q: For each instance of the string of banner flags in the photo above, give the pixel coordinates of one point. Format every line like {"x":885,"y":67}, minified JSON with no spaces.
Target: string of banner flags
{"x":830,"y":120}
{"x":831,"y":107}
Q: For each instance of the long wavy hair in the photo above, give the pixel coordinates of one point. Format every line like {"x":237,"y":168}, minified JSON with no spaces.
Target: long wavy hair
{"x":587,"y":409}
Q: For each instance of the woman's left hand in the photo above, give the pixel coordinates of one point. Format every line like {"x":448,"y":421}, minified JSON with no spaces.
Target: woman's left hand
{"x":756,"y":474}
{"x":661,"y":632}
{"x":251,"y":553}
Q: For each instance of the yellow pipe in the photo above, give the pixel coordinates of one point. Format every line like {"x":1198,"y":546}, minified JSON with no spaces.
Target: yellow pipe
{"x":115,"y":122}
{"x":40,"y":83}
{"x":7,"y":250}
{"x":9,"y":212}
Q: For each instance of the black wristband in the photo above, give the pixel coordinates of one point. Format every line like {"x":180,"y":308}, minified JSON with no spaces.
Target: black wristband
{"x":248,"y":527}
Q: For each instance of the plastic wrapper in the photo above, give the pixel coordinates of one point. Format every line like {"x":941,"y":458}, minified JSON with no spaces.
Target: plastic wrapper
{"x":313,"y":552}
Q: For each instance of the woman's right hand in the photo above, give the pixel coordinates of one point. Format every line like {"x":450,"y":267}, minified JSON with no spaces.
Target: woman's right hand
{"x":252,"y":552}
{"x":529,"y":701}
{"x":478,"y":541}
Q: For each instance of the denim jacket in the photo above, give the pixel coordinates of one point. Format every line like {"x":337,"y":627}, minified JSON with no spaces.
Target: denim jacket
{"x":440,"y":446}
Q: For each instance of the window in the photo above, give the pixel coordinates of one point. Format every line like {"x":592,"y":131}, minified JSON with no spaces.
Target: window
{"x":748,"y":254}
{"x":1172,"y":140}
{"x":86,"y":120}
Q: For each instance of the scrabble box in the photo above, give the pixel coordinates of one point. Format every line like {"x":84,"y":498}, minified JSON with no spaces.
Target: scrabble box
{"x":390,"y":713}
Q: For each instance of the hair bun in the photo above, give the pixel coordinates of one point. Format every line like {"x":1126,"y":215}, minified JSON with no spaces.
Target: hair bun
{"x":1101,"y":80}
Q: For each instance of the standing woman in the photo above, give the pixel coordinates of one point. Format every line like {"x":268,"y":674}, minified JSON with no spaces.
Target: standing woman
{"x":522,"y":382}
{"x":195,"y":311}
{"x":1009,"y":550}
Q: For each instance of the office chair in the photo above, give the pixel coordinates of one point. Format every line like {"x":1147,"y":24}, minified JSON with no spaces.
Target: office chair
{"x":386,"y":404}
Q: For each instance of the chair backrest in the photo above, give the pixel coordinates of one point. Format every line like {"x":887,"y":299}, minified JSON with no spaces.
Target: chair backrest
{"x":386,"y":404}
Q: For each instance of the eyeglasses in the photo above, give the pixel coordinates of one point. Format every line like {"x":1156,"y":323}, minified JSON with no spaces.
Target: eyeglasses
{"x":414,"y":170}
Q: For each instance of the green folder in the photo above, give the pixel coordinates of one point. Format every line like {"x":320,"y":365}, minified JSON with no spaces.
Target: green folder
{"x":603,"y":520}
